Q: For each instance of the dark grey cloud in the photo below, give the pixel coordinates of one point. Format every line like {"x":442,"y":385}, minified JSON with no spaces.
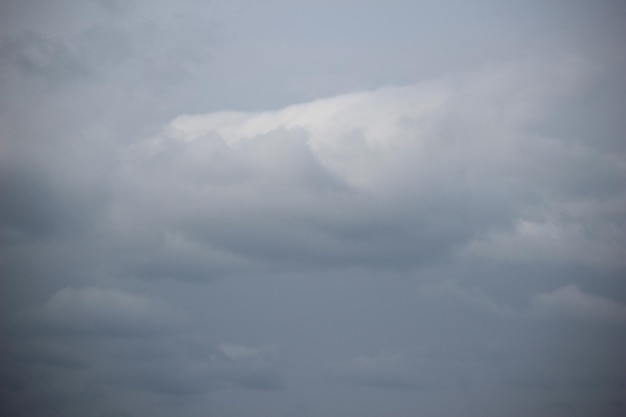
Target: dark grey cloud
{"x":394,"y":372}
{"x":97,"y":312}
{"x":526,"y":351}
{"x":182,"y":371}
{"x":37,"y":205}
{"x":101,"y":341}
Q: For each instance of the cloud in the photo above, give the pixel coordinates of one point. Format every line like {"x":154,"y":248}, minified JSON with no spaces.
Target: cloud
{"x":526,"y":347}
{"x":148,"y":344}
{"x":563,"y":234}
{"x":218,"y":208}
{"x":95,"y":343}
{"x":413,"y":371}
{"x":384,"y":371}
{"x":450,"y":298}
{"x":570,"y":302}
{"x":567,"y":303}
{"x":393,"y":178}
{"x":453,"y":171}
{"x":43,"y":202}
{"x":35,"y":55}
{"x":98,"y":312}
{"x":193,"y":366}
{"x":239,"y":352}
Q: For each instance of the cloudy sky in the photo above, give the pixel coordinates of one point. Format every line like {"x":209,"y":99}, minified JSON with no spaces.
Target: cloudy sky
{"x":312,"y":208}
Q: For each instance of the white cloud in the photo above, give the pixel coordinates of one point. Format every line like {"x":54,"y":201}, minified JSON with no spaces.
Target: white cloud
{"x":396,"y":177}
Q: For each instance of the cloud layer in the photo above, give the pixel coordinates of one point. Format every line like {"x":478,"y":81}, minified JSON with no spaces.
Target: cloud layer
{"x":397,"y":177}
{"x":296,"y":208}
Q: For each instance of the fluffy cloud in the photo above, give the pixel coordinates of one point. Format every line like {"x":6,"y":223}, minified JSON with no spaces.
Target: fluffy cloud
{"x":393,"y":178}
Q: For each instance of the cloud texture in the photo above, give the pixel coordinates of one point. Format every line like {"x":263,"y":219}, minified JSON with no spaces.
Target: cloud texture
{"x":222,"y":209}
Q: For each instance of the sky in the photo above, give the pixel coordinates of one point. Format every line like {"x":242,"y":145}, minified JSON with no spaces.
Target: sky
{"x":312,"y":208}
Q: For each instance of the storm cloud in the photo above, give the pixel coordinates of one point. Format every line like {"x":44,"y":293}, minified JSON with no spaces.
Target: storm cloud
{"x":312,"y":209}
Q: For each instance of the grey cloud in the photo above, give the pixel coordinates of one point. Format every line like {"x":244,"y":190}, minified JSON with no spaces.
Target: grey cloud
{"x":38,"y":204}
{"x":567,"y":303}
{"x":188,"y":366}
{"x":570,"y":302}
{"x":115,"y":6}
{"x":197,"y":380}
{"x":508,"y":350}
{"x":340,"y":182}
{"x":392,"y":181}
{"x":421,"y":204}
{"x":44,"y":354}
{"x":113,"y":340}
{"x":296,"y":197}
{"x":106,"y":49}
{"x":381,"y":371}
{"x":575,"y":327}
{"x":35,"y":55}
{"x":97,"y":312}
{"x":449,"y":294}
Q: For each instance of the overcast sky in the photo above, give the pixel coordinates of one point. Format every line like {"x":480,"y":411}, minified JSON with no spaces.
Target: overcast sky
{"x":312,"y":208}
